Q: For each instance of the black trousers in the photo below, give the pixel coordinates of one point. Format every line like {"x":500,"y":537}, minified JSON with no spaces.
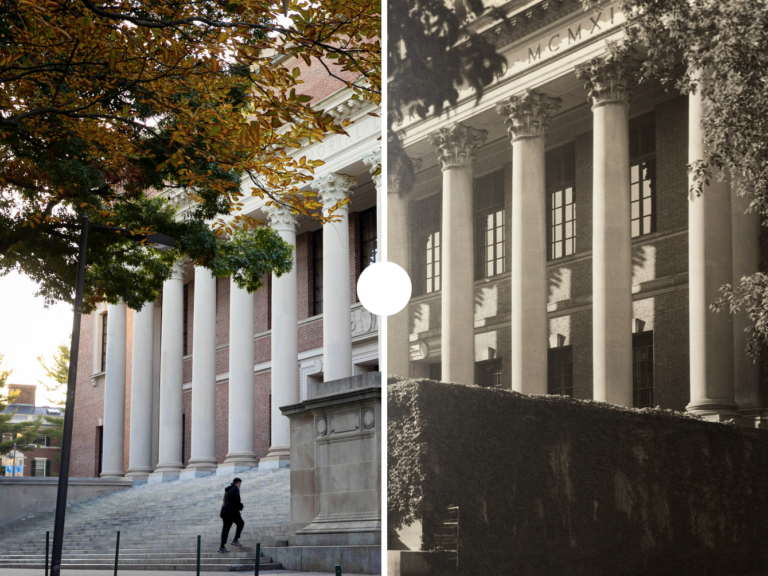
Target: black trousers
{"x":228,"y":521}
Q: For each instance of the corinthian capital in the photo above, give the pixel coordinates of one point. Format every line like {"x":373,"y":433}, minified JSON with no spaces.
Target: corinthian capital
{"x":333,"y":188}
{"x":373,"y":161}
{"x":611,"y":78}
{"x":457,"y":144}
{"x":280,"y":217}
{"x":527,"y":115}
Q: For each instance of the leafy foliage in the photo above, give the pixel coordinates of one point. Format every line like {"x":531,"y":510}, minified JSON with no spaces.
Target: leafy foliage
{"x":103,"y":105}
{"x":22,"y":433}
{"x":58,"y":372}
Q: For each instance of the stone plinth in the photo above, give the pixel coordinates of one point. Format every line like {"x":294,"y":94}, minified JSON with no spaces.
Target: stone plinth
{"x":336,"y":463}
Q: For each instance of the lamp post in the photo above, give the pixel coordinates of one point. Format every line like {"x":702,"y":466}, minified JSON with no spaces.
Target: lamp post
{"x":161,"y":241}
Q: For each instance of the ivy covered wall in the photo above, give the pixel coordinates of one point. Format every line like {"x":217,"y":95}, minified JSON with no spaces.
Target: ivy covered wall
{"x":550,"y":485}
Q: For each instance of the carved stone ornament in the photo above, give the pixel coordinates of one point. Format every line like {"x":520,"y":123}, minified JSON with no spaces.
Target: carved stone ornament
{"x":177,"y":272}
{"x":457,"y":144}
{"x":369,"y":419}
{"x":280,"y":217}
{"x":373,"y":161}
{"x":322,"y":426}
{"x":333,"y":188}
{"x":527,"y":115}
{"x":608,"y":79}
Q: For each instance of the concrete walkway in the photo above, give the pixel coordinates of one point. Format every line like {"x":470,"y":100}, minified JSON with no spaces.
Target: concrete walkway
{"x":41,"y":572}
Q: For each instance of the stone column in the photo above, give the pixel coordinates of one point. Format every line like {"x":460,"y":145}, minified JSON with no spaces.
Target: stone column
{"x":337,"y":335}
{"x":399,"y":252}
{"x":240,"y":455}
{"x":140,"y":449}
{"x":610,"y":82}
{"x":456,"y":153}
{"x":285,"y":344}
{"x":202,"y":461}
{"x":709,"y":267}
{"x":114,"y":393}
{"x":171,"y":379}
{"x":527,"y":118}
{"x":373,"y":161}
{"x":746,"y":261}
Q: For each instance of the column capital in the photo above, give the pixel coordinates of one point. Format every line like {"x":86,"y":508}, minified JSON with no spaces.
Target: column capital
{"x":457,"y":144}
{"x":177,"y":271}
{"x":609,"y":79}
{"x":528,"y":114}
{"x":373,"y":161}
{"x":333,"y":188}
{"x":281,"y":217}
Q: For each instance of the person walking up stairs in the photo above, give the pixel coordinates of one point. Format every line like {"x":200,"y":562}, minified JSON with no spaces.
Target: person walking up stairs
{"x":230,"y":514}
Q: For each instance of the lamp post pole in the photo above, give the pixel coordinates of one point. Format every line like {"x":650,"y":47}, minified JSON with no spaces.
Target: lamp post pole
{"x":69,"y":411}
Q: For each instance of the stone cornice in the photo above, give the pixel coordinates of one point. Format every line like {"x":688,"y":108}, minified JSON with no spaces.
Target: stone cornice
{"x":456,"y":144}
{"x":280,"y":217}
{"x":527,"y":115}
{"x":333,"y":188}
{"x":609,"y":79}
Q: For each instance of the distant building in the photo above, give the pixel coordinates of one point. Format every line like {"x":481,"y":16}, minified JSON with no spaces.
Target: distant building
{"x":43,"y":460}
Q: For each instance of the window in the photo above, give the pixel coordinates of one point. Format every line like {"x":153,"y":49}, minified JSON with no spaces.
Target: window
{"x":642,"y":369}
{"x":431,"y":247}
{"x":317,"y":247}
{"x":185,"y":315}
{"x":560,"y":371}
{"x":42,"y":440}
{"x":8,"y":436}
{"x":104,"y":342}
{"x":561,"y":200}
{"x":367,"y":238}
{"x":488,"y":373}
{"x":489,"y":225}
{"x":40,"y":467}
{"x":427,"y":255}
{"x":642,"y":174}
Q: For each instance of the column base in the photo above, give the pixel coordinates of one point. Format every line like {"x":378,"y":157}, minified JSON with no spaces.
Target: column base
{"x":165,"y":473}
{"x":715,"y":411}
{"x":111,"y":474}
{"x":278,"y":457}
{"x":236,"y":463}
{"x":138,"y":475}
{"x":199,"y":468}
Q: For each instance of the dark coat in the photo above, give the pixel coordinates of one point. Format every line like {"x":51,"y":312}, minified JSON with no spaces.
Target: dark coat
{"x":232,"y":505}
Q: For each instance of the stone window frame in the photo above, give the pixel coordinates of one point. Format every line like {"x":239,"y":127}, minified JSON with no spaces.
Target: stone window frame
{"x":642,"y":170}
{"x":560,"y":171}
{"x":642,"y":369}
{"x":490,"y":240}
{"x":560,"y":370}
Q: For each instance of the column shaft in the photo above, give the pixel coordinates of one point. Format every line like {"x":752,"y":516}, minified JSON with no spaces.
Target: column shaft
{"x":746,"y":261}
{"x":458,"y":282}
{"x":114,"y":393}
{"x":337,"y":335}
{"x":529,"y":267}
{"x":240,"y":455}
{"x":140,"y":449}
{"x":203,"y":450}
{"x":171,"y":379}
{"x":398,"y":248}
{"x":709,"y":267}
{"x":285,"y":353}
{"x":611,"y":256}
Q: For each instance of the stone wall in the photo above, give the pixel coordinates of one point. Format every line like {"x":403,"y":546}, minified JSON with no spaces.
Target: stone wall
{"x":553,"y":485}
{"x":20,"y":497}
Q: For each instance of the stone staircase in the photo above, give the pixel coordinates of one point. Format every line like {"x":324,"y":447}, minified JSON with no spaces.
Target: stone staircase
{"x":159,"y":525}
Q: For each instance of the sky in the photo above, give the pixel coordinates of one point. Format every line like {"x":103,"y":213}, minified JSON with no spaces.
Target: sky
{"x":28,"y":329}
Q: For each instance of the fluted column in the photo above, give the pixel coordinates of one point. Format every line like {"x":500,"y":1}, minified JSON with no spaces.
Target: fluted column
{"x":114,"y":393}
{"x":746,"y":261}
{"x":337,"y":335}
{"x":202,"y":461}
{"x":456,"y":153}
{"x":285,"y":343}
{"x":140,"y":449}
{"x":527,"y":117}
{"x":610,"y":82}
{"x":240,"y":455}
{"x":171,"y":378}
{"x":398,"y":251}
{"x":709,"y":267}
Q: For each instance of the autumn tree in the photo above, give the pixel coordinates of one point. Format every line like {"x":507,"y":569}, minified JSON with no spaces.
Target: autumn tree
{"x":107,"y":107}
{"x":21,"y":433}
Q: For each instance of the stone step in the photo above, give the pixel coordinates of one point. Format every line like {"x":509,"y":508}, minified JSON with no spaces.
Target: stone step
{"x":203,"y":567}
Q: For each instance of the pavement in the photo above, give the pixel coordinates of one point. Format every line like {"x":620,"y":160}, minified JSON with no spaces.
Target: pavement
{"x":41,"y":572}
